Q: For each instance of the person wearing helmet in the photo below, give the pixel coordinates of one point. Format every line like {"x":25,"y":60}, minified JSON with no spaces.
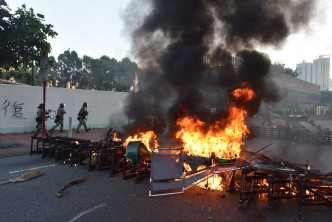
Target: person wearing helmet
{"x":59,"y":118}
{"x":39,"y":118}
{"x":82,"y":117}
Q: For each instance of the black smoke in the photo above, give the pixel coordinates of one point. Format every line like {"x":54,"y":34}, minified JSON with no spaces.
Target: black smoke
{"x":196,"y":52}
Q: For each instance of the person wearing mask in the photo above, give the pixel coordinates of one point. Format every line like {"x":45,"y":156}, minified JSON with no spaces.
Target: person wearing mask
{"x":39,"y":118}
{"x":59,"y":118}
{"x":82,"y":118}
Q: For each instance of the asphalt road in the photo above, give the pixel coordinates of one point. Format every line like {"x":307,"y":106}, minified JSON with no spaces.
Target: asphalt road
{"x":104,"y":198}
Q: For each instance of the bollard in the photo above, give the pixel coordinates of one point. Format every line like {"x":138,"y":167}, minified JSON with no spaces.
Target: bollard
{"x":70,"y":128}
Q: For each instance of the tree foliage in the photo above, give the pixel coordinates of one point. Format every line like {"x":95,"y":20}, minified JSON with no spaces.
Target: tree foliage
{"x":69,"y":67}
{"x":126,"y":74}
{"x":22,"y":36}
{"x":20,"y":76}
{"x":103,"y":73}
{"x":280,"y":68}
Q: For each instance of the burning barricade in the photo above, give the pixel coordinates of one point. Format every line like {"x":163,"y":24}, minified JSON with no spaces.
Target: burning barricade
{"x":210,"y":156}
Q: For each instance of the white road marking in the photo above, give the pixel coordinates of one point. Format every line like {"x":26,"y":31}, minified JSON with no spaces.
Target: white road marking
{"x":17,"y":171}
{"x":88,"y":211}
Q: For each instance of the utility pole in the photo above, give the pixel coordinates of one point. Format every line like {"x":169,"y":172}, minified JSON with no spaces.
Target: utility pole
{"x":43,"y":76}
{"x":32,"y":75}
{"x":42,"y":18}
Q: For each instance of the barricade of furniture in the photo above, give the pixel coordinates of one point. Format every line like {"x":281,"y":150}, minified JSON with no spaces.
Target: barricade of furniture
{"x":39,"y":144}
{"x":118,"y":159}
{"x":138,"y":161}
{"x":102,"y":153}
{"x":79,"y":151}
{"x":49,"y":145}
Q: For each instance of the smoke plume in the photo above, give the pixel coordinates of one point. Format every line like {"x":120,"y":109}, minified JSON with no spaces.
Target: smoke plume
{"x":196,"y":52}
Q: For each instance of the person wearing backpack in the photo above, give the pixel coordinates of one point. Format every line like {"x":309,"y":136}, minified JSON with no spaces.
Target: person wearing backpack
{"x":59,"y":118}
{"x":82,"y":118}
{"x":39,"y":119}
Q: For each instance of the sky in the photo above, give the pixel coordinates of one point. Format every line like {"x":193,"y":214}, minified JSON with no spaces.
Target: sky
{"x":95,"y":28}
{"x":91,"y":28}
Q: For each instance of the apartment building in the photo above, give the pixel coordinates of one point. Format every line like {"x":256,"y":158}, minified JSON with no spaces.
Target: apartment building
{"x":317,"y":72}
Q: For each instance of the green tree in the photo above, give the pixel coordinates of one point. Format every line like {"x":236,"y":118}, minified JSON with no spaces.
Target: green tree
{"x":125,"y":77}
{"x":102,"y":71}
{"x":291,"y":72}
{"x":20,"y":76}
{"x":86,"y":75}
{"x":52,"y":70}
{"x":280,"y":68}
{"x":110,"y":67}
{"x":69,"y":68}
{"x":22,"y":36}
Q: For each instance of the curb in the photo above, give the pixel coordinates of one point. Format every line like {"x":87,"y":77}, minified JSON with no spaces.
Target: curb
{"x":18,"y":153}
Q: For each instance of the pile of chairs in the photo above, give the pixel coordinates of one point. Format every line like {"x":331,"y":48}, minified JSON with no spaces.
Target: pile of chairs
{"x":101,"y":155}
{"x":106,"y":154}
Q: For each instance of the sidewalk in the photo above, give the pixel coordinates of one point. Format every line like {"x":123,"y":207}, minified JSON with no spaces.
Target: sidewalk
{"x":24,"y":139}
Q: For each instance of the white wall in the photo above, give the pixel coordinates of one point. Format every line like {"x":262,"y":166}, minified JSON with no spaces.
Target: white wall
{"x":18,"y":107}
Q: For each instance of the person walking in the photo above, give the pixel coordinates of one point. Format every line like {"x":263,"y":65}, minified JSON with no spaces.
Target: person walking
{"x":39,"y":119}
{"x":267,"y":116}
{"x":59,"y":118}
{"x":82,"y":118}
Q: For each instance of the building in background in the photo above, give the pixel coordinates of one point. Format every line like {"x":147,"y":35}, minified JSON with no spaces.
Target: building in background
{"x":321,"y":72}
{"x":304,"y":70}
{"x":317,"y":72}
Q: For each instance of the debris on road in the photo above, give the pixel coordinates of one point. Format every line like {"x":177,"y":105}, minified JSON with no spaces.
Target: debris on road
{"x":25,"y":177}
{"x":74,"y":182}
{"x":9,"y":145}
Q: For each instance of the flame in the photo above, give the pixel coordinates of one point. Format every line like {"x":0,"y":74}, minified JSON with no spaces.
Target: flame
{"x":247,"y":93}
{"x":149,"y":139}
{"x":115,"y":138}
{"x":212,"y":183}
{"x":223,"y":139}
{"x":187,"y":168}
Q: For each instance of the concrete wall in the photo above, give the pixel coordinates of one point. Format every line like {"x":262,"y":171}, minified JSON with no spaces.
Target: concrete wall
{"x":18,"y":107}
{"x":295,"y":92}
{"x":289,"y":82}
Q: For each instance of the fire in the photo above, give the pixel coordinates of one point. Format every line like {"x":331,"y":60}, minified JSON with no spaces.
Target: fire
{"x":212,"y":183}
{"x":245,"y":92}
{"x":224,"y":138}
{"x":115,"y":138}
{"x":187,"y":168}
{"x":149,"y":139}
